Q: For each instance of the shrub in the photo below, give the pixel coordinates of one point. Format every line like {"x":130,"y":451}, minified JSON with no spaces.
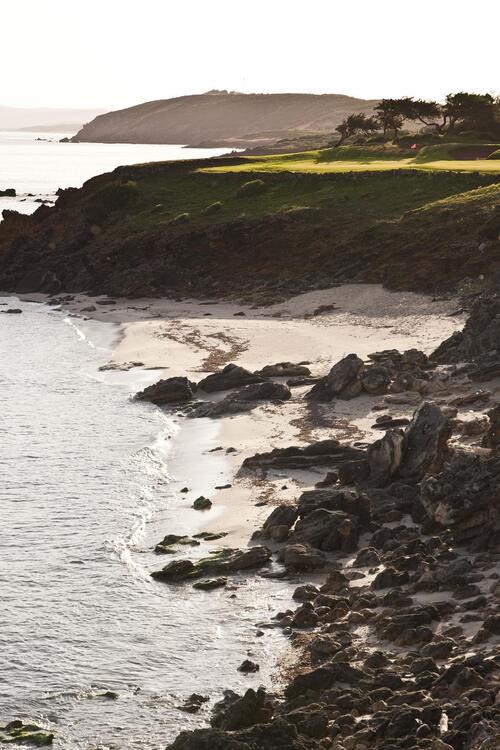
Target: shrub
{"x":180,"y":219}
{"x":213,"y":208}
{"x":111,"y":197}
{"x":253,"y":187}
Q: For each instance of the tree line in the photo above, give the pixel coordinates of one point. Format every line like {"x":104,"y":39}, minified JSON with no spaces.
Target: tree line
{"x":462,"y":111}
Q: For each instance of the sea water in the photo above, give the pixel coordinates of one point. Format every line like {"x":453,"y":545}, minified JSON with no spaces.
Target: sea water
{"x":89,"y":481}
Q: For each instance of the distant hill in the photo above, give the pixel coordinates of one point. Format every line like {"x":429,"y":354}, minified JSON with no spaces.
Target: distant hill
{"x":221,"y":117}
{"x":43,"y":118}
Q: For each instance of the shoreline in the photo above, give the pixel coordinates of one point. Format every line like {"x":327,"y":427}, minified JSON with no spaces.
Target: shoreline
{"x":178,"y":338}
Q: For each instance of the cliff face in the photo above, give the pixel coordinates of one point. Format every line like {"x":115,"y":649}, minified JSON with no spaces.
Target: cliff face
{"x":169,"y":229}
{"x":220,"y":116}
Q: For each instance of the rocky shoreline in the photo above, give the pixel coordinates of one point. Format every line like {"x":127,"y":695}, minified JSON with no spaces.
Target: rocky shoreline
{"x":399,"y":642}
{"x":376,"y":500}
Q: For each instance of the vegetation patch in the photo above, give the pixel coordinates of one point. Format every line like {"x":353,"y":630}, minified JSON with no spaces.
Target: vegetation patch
{"x":253,"y":187}
{"x":113,"y":196}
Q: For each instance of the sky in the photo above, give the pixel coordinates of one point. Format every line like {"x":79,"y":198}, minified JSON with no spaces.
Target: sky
{"x":117,"y":53}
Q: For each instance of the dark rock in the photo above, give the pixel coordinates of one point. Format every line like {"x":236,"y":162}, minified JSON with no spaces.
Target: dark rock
{"x":209,"y":584}
{"x":349,"y":501}
{"x":277,"y":526}
{"x":376,"y":380}
{"x":328,"y":453}
{"x":327,"y":530}
{"x":243,"y":400}
{"x":193,"y":704}
{"x":481,"y":334}
{"x":389,"y":423}
{"x":8,"y":193}
{"x":385,"y":457}
{"x":235,"y":712}
{"x":11,"y":311}
{"x":232,"y":376}
{"x":343,"y":381}
{"x":389,"y":578}
{"x":324,"y":678}
{"x":425,"y":443}
{"x":301,"y":558}
{"x":170,"y":391}
{"x":465,"y":497}
{"x":367,"y":558}
{"x":248,"y":666}
{"x":492,"y":437}
{"x":283,"y":369}
{"x":306,"y":593}
{"x":226,"y":561}
{"x":202,"y":503}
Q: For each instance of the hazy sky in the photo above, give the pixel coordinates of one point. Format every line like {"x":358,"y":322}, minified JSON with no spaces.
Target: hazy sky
{"x":115,"y":53}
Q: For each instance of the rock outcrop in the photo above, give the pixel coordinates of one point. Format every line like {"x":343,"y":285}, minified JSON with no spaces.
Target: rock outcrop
{"x":232,"y":376}
{"x":169,"y":391}
{"x":244,"y":399}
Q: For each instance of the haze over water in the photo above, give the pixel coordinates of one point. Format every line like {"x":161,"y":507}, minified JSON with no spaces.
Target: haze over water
{"x":41,"y":167}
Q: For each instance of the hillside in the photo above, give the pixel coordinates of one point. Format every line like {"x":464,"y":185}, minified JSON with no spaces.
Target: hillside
{"x":219,"y":116}
{"x":176,"y":229}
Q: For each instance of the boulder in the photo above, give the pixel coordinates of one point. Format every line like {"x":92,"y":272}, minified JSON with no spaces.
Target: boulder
{"x":343,"y":381}
{"x":301,"y":558}
{"x":425,"y":443}
{"x":238,"y":712}
{"x":245,"y":399}
{"x":202,"y":503}
{"x":279,"y":523}
{"x":248,"y":667}
{"x":353,"y":502}
{"x":225,"y":561}
{"x":327,"y":530}
{"x":385,"y":457}
{"x":247,"y":739}
{"x":480,"y":336}
{"x":465,"y":497}
{"x":376,"y":380}
{"x":209,"y":584}
{"x":328,"y":453}
{"x":283,"y":370}
{"x":492,"y":437}
{"x":232,"y":376}
{"x":176,"y":390}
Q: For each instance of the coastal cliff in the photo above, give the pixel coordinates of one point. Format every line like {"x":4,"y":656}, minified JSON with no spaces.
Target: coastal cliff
{"x":181,"y":228}
{"x":222,"y":116}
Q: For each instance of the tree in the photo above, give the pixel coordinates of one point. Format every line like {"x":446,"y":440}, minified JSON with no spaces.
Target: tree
{"x":427,"y":112}
{"x":356,"y":124}
{"x":393,"y":112}
{"x":474,"y":111}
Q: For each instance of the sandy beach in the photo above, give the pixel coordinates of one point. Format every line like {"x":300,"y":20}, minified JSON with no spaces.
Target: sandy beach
{"x":192,"y":338}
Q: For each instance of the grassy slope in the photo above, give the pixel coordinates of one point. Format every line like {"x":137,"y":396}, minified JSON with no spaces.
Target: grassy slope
{"x":339,"y":197}
{"x":360,"y":159}
{"x":413,"y":229}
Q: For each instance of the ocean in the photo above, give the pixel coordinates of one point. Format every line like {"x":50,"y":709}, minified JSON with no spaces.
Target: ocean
{"x":89,"y":483}
{"x":37,"y":164}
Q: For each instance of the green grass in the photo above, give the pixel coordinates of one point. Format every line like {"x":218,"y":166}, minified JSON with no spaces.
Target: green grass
{"x":170,"y":191}
{"x":461,"y":157}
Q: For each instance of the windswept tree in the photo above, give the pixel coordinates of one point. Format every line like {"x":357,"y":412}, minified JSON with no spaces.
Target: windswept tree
{"x":429,"y":113}
{"x":474,"y":111}
{"x":355,"y":124}
{"x":392,"y":113}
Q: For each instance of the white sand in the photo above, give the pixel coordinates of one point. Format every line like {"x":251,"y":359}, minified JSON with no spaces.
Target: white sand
{"x":179,"y":338}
